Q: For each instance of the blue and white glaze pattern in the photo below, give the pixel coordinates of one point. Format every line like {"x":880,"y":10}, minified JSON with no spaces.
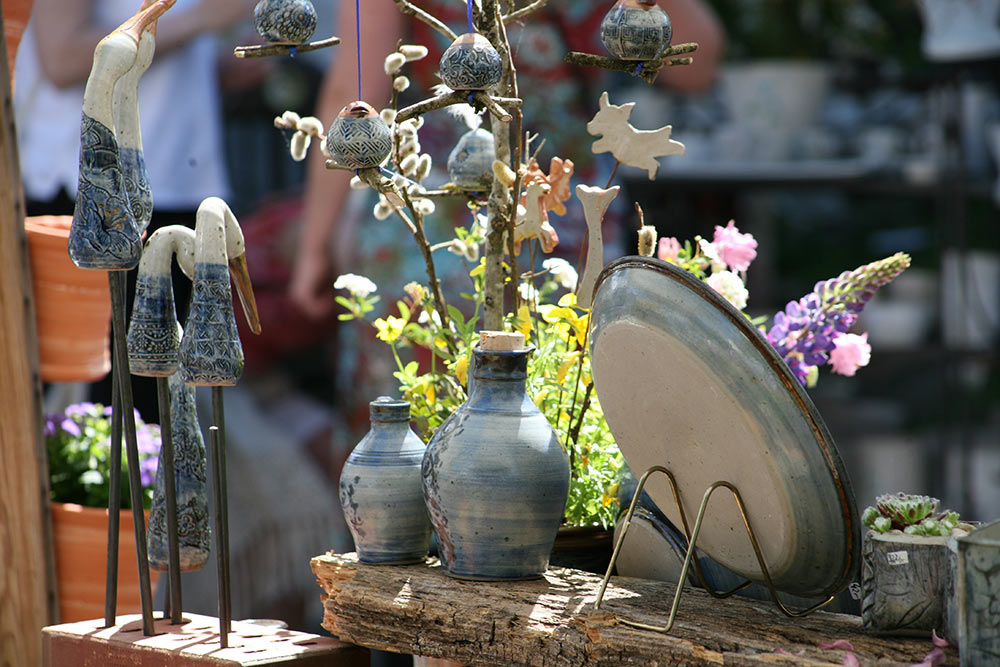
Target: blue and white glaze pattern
{"x":153,"y":341}
{"x":496,"y":478}
{"x":211,"y":353}
{"x":104,"y":234}
{"x":191,"y":482}
{"x":357,"y":143}
{"x":635,"y":31}
{"x":140,"y":196}
{"x":129,"y":133}
{"x":285,"y":21}
{"x":471,"y":63}
{"x":470,"y":165}
{"x":381,"y":491}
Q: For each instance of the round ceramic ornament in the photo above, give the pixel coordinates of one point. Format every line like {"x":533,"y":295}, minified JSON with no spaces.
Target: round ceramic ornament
{"x":470,"y":165}
{"x":636,"y":30}
{"x":471,"y":63}
{"x":359,"y":138}
{"x":285,"y":21}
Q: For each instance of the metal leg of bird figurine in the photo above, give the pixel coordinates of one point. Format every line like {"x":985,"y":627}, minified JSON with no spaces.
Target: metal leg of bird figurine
{"x":117,"y":283}
{"x":114,"y":506}
{"x":170,"y":495}
{"x":219,"y":419}
{"x":220,"y":554}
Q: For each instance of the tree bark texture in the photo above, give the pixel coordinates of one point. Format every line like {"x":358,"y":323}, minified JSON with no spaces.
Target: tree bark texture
{"x":419,"y":610}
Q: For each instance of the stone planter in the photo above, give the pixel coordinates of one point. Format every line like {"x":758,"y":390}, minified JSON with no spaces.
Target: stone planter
{"x":975,"y":623}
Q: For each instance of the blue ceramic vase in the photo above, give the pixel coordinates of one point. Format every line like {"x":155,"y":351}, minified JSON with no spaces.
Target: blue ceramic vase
{"x":381,"y":492}
{"x":285,"y":21}
{"x":359,"y":138}
{"x":471,"y":63}
{"x":470,"y":165}
{"x":636,"y":30}
{"x":495,"y":477}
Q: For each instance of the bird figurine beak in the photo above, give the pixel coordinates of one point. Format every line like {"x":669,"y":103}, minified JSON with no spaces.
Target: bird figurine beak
{"x":241,"y":278}
{"x":145,"y":18}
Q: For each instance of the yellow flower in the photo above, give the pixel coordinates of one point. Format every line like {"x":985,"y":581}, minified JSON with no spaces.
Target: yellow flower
{"x":462,"y":369}
{"x":567,"y":364}
{"x":390,"y":328}
{"x":522,"y":322}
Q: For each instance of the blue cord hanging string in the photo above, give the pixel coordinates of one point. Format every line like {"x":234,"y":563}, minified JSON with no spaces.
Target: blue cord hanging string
{"x":468,"y":13}
{"x":357,"y":29}
{"x":292,"y":50}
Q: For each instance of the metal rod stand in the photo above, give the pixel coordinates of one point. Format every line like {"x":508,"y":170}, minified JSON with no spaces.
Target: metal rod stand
{"x":221,"y":543}
{"x":116,"y":280}
{"x":692,"y":538}
{"x":114,"y":504}
{"x":170,"y":493}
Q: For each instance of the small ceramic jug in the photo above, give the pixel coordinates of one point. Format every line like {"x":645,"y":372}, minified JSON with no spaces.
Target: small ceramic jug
{"x":471,"y":63}
{"x":381,"y":492}
{"x":359,"y":138}
{"x":495,"y":476}
{"x":285,"y":21}
{"x":636,"y":30}
{"x":470,"y":165}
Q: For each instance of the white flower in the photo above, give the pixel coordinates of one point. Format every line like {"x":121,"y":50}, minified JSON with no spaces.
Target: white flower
{"x":359,"y":286}
{"x":562,"y":271}
{"x":711,"y":253}
{"x":729,"y":285}
{"x":424,"y":318}
{"x":527,"y":292}
{"x":466,"y":249}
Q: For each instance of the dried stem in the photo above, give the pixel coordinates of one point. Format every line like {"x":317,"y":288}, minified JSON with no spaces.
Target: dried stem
{"x":525,"y":11}
{"x":516,"y":163}
{"x":649,"y":68}
{"x":265,"y":50}
{"x":480,"y":100}
{"x":425,"y":249}
{"x":432,"y":21}
{"x":574,"y":434}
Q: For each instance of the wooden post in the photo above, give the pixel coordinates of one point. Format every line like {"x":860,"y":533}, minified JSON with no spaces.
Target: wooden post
{"x":27,"y":598}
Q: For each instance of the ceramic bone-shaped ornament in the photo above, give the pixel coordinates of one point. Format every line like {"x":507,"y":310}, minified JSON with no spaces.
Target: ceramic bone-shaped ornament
{"x":595,"y":203}
{"x":636,"y":148}
{"x":105,"y":234}
{"x":129,"y":134}
{"x":210,"y":351}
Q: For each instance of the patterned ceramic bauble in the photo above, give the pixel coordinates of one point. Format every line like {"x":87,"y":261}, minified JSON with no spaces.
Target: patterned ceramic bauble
{"x":359,"y":138}
{"x":285,"y":21}
{"x":470,"y":165}
{"x":471,"y":63}
{"x":636,"y":30}
{"x":381,"y":491}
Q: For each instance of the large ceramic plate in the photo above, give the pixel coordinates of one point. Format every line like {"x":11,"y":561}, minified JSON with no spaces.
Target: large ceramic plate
{"x":688,"y":383}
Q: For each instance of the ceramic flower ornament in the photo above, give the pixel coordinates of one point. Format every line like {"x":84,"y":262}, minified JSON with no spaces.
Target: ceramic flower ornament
{"x":636,"y":148}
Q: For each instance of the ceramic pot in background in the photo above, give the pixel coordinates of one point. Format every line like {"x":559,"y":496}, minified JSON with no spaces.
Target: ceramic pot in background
{"x":956,"y":30}
{"x":15,"y":19}
{"x":975,"y":623}
{"x":495,"y":476}
{"x":636,"y":30}
{"x":470,"y":165}
{"x":285,"y":21}
{"x":381,"y":492}
{"x":72,"y":306}
{"x":359,"y":138}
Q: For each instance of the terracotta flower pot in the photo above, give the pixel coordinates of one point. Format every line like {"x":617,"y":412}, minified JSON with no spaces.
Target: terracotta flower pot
{"x":81,"y":545}
{"x":72,"y":306}
{"x":15,"y":20}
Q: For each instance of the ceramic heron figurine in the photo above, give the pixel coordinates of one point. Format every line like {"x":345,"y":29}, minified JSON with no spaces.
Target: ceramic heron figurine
{"x":106,"y":236}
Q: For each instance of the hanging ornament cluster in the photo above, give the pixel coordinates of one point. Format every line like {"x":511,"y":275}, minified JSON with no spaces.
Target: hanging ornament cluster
{"x":636,"y":30}
{"x":359,"y":137}
{"x":285,"y":21}
{"x":471,"y":63}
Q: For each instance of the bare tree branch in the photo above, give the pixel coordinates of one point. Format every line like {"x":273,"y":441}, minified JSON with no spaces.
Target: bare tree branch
{"x":262,"y":50}
{"x":525,"y":11}
{"x":647,"y":70}
{"x":432,"y":21}
{"x":480,"y":100}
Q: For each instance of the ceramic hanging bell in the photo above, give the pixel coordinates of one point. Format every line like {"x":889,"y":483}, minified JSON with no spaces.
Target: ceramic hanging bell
{"x":471,"y":63}
{"x":285,"y":21}
{"x":470,"y":165}
{"x":636,"y":30}
{"x":359,"y":138}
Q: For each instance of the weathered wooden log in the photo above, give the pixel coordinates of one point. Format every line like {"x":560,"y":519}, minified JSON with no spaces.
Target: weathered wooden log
{"x":419,"y":610}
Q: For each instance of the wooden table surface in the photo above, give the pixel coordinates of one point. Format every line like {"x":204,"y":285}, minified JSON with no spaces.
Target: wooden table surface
{"x":418,"y":610}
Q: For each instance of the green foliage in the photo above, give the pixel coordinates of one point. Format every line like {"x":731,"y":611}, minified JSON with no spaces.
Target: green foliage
{"x":912,"y":514}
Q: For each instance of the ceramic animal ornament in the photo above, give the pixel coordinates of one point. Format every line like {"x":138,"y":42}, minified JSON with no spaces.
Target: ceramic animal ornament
{"x":636,"y":148}
{"x":153,"y":341}
{"x":595,"y":203}
{"x":210,"y":350}
{"x":636,"y":30}
{"x":532,"y":221}
{"x":129,"y":134}
{"x":285,"y":21}
{"x":471,"y":63}
{"x":105,"y":234}
{"x":359,"y":137}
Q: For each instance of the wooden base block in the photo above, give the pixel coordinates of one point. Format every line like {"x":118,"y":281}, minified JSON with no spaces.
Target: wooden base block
{"x":195,"y":642}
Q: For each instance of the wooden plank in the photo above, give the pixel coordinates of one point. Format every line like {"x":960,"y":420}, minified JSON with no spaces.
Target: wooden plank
{"x":419,"y":610}
{"x":26,"y":565}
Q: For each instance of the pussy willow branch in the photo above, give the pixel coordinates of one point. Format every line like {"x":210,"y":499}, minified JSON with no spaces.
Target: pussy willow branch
{"x":480,"y":99}
{"x":425,"y":249}
{"x":525,"y":11}
{"x":426,"y":17}
{"x":264,"y":50}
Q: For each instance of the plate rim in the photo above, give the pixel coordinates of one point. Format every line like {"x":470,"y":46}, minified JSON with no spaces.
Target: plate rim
{"x":835,"y":465}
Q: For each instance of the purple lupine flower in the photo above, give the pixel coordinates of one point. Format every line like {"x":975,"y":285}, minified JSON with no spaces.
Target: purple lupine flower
{"x":70,"y":426}
{"x":804,"y":333}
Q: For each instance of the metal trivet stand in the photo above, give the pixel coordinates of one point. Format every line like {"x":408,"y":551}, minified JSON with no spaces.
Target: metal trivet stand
{"x":692,"y":538}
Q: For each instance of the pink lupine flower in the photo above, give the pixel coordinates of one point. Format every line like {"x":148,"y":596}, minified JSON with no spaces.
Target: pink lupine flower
{"x":735,"y":248}
{"x":668,"y":250}
{"x":850,"y":352}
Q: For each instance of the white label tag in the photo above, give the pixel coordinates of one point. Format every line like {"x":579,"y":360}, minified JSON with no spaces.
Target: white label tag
{"x":897,"y":558}
{"x":855,"y":589}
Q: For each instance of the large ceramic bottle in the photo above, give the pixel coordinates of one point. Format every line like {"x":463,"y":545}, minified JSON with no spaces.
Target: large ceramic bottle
{"x":380,"y":489}
{"x":495,"y":475}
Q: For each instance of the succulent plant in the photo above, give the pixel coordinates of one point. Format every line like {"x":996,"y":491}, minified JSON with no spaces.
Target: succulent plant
{"x":912,"y":514}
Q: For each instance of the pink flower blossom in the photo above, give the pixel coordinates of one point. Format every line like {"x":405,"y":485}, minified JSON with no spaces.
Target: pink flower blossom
{"x":668,"y":249}
{"x":850,"y":352}
{"x":735,"y":248}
